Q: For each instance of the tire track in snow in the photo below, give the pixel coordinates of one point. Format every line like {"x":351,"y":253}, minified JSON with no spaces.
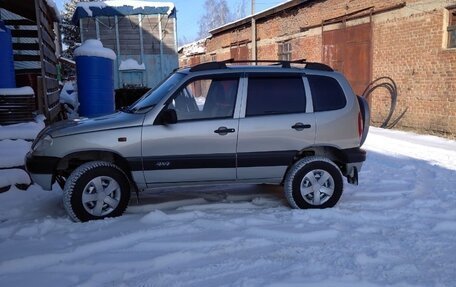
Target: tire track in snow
{"x":185,"y":257}
{"x":45,"y":260}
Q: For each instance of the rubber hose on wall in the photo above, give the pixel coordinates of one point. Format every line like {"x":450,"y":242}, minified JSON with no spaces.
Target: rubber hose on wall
{"x":388,"y":84}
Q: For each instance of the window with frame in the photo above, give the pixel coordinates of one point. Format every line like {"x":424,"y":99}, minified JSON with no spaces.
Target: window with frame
{"x":285,"y":51}
{"x":452,"y":28}
{"x":205,"y":99}
{"x":275,"y":95}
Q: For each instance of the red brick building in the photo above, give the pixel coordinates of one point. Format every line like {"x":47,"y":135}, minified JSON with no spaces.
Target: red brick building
{"x":413,"y":42}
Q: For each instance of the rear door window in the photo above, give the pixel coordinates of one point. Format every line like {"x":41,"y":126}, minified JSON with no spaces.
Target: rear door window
{"x":275,"y":95}
{"x":327,"y":94}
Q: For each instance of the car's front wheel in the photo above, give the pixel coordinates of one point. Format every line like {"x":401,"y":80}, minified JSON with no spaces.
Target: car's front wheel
{"x":96,"y":190}
{"x":313,"y":182}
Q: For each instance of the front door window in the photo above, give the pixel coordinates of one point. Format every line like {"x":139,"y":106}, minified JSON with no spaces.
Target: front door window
{"x":205,"y":99}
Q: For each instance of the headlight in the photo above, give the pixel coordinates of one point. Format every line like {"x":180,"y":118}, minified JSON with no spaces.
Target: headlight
{"x":43,"y":143}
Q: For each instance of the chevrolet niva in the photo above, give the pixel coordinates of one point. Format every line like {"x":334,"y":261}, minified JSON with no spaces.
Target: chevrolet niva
{"x":214,"y":123}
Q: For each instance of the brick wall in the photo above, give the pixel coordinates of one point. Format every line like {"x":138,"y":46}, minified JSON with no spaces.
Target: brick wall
{"x":409,"y":49}
{"x":407,"y":45}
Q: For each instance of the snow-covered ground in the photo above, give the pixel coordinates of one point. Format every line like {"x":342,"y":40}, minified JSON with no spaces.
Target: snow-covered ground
{"x":397,"y":228}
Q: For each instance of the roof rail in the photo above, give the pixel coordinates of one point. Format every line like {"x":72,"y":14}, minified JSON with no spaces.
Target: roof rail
{"x":208,"y":66}
{"x":284,"y":64}
{"x":318,"y":66}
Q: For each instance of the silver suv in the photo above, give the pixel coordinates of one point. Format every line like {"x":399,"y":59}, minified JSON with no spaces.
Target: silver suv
{"x":212,"y":124}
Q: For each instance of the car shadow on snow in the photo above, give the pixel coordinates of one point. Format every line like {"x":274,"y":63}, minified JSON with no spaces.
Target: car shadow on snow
{"x":211,"y":197}
{"x":385,"y":182}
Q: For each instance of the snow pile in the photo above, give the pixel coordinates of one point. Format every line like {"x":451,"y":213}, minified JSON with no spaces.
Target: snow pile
{"x":414,"y":149}
{"x":15,"y":142}
{"x":194,"y":48}
{"x":12,"y":152}
{"x":13,"y":176}
{"x":135,"y":4}
{"x":69,"y":98}
{"x":397,"y":228}
{"x":26,"y":131}
{"x":94,"y":48}
{"x":131,"y":64}
{"x":24,"y":91}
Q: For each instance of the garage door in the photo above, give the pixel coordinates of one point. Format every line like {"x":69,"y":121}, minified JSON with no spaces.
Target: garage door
{"x":348,"y":50}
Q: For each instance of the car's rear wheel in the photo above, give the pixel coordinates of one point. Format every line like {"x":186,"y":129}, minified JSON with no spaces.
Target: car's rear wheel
{"x":313,"y":182}
{"x":96,"y":190}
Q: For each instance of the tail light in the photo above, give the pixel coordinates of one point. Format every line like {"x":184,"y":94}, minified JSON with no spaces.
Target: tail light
{"x":360,"y":126}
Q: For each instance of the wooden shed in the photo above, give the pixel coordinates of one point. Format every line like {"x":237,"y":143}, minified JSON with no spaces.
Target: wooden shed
{"x":141,"y":33}
{"x":36,"y":47}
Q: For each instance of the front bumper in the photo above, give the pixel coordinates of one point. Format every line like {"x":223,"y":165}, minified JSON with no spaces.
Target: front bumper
{"x":41,"y":169}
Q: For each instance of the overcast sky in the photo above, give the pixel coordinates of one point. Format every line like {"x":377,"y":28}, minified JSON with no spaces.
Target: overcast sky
{"x":189,"y":12}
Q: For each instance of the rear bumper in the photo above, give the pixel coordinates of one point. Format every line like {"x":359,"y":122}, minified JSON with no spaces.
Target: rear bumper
{"x":353,"y":155}
{"x":353,"y":159}
{"x":41,"y":169}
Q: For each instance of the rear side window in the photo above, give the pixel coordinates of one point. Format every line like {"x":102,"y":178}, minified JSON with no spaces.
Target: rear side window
{"x":275,"y":95}
{"x":327,"y":94}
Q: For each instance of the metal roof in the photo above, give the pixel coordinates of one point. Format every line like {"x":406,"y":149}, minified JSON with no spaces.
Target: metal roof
{"x":112,"y":8}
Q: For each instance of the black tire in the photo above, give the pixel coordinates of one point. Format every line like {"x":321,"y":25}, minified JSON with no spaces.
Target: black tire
{"x":81,"y":193}
{"x":309,"y":169}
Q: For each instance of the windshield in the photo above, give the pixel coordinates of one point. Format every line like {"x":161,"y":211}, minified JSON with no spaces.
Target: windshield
{"x":153,"y":96}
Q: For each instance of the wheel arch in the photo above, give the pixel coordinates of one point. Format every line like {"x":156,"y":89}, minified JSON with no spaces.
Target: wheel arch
{"x":71,"y":161}
{"x":332,"y":153}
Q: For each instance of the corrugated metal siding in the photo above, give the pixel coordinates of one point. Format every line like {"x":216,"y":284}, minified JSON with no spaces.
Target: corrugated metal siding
{"x":107,"y":26}
{"x":129,"y":27}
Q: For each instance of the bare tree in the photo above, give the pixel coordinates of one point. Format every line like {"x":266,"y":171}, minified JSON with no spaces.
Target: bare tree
{"x":183,"y":40}
{"x":241,"y":9}
{"x":217,"y":13}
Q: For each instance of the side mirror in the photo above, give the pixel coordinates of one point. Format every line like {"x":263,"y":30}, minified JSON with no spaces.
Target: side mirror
{"x":168,"y":116}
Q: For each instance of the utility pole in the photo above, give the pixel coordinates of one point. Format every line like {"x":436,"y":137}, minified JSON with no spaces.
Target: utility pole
{"x":253,"y":27}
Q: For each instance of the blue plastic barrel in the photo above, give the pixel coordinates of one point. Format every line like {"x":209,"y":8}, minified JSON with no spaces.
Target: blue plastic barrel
{"x":7,"y":75}
{"x":94,"y":70}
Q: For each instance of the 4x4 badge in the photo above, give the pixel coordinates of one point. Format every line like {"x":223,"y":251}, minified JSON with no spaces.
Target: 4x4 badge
{"x":163,"y":163}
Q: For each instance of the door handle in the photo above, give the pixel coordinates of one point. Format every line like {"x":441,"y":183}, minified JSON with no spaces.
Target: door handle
{"x":300,"y":126}
{"x":224,"y":131}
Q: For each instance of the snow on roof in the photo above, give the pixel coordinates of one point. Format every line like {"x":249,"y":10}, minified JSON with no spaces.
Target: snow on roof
{"x":131,"y":64}
{"x":17,"y":91}
{"x":121,"y":8}
{"x":279,"y":7}
{"x":194,"y":48}
{"x":94,"y":48}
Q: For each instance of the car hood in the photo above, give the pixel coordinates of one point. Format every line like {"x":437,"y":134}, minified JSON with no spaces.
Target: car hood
{"x":87,"y":125}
